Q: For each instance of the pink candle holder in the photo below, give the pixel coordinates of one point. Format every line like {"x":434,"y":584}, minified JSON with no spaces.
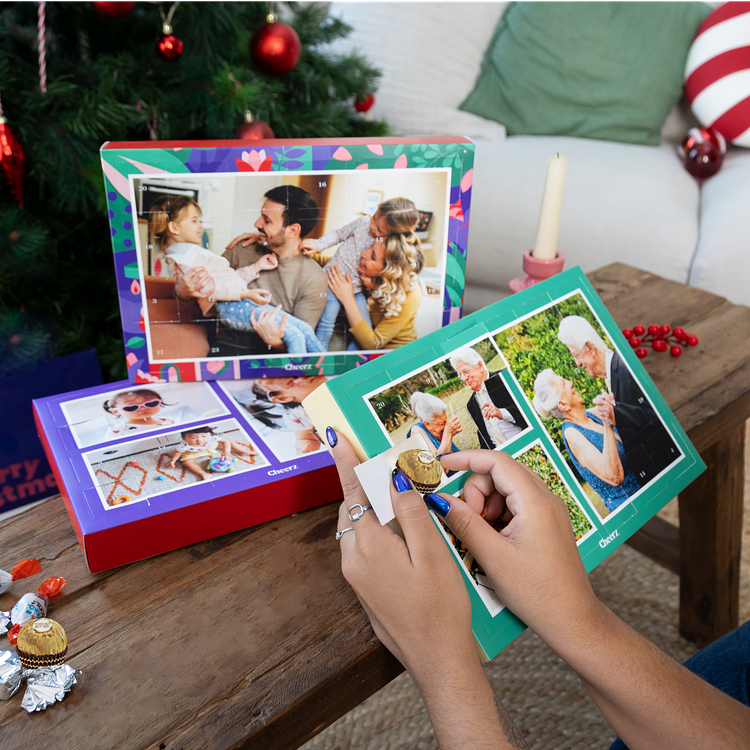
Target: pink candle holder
{"x":537,"y":270}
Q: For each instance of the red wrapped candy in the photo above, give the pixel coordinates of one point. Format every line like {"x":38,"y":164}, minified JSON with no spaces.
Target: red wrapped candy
{"x":52,"y":587}
{"x":26,"y":568}
{"x":22,"y":569}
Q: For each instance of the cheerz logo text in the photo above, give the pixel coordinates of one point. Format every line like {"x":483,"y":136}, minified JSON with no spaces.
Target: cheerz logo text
{"x":604,"y":542}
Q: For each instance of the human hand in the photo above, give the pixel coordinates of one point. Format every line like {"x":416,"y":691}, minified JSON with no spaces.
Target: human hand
{"x":490,"y":411}
{"x":266,"y":262}
{"x":533,"y":561}
{"x":309,"y":245}
{"x":248,"y":238}
{"x":605,"y":407}
{"x":453,"y":426}
{"x":195,"y":282}
{"x":340,"y":285}
{"x":410,"y":587}
{"x":259,"y":296}
{"x":265,"y":325}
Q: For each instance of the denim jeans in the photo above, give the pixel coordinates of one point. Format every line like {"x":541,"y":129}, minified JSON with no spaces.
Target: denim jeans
{"x":299,"y":336}
{"x":327,"y":321}
{"x":725,"y":664}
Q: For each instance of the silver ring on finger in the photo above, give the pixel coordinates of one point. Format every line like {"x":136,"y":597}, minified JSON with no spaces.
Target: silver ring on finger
{"x":341,"y":533}
{"x":357,"y":514}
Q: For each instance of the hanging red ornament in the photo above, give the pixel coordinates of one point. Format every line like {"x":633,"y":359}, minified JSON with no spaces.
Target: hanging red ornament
{"x":11,"y":159}
{"x":275,"y":47}
{"x":365,"y":103}
{"x":114,"y":10}
{"x":253,"y":130}
{"x":702,"y":152}
{"x":168,"y":45}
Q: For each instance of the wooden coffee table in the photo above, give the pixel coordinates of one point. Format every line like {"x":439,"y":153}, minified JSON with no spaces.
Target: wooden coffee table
{"x":708,"y":389}
{"x":254,"y":640}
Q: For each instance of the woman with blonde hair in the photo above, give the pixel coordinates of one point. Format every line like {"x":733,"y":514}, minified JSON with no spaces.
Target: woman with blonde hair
{"x":394,"y":302}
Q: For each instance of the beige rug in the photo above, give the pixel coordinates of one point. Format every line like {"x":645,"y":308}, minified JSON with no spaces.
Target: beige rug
{"x":543,"y":696}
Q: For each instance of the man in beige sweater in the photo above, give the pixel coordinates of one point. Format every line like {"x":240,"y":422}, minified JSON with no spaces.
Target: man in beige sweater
{"x":297,"y":284}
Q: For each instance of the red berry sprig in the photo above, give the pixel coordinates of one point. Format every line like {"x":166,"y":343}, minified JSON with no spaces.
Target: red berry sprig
{"x":661,"y":338}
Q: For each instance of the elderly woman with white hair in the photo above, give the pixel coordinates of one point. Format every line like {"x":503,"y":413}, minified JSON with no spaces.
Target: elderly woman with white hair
{"x":434,"y":424}
{"x":592,"y":440}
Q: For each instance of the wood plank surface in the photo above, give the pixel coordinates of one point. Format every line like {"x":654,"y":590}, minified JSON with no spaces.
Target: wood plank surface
{"x":250,"y":638}
{"x":254,"y":639}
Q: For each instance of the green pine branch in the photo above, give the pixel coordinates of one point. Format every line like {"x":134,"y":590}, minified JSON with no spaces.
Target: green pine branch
{"x":105,"y":83}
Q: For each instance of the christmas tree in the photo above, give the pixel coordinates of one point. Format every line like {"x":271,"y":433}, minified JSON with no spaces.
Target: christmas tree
{"x":107,"y":81}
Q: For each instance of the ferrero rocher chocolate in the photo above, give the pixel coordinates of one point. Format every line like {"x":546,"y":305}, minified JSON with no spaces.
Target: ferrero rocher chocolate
{"x":41,"y":643}
{"x":422,"y":468}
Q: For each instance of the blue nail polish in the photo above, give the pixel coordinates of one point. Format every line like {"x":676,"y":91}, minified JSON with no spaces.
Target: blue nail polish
{"x":400,"y":481}
{"x":438,"y":504}
{"x":331,"y":437}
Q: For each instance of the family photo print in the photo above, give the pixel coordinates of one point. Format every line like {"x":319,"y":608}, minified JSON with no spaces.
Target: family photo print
{"x":307,"y":258}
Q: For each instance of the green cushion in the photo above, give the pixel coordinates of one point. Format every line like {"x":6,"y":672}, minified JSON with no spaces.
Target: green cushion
{"x":603,"y":70}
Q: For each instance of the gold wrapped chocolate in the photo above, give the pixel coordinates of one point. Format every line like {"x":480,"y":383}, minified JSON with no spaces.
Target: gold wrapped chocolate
{"x":41,"y":643}
{"x":422,"y":468}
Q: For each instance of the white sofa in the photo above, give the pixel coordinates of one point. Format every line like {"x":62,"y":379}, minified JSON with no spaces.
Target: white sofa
{"x":629,"y":203}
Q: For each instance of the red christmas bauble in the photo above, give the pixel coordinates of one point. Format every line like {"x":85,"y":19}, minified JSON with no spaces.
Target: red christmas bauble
{"x":11,"y":160}
{"x":365,"y":103}
{"x":702,"y":151}
{"x":275,"y":47}
{"x":114,"y":10}
{"x":169,"y":47}
{"x":255,"y":130}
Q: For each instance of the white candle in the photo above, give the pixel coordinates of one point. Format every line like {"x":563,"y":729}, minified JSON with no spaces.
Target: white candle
{"x":545,"y":247}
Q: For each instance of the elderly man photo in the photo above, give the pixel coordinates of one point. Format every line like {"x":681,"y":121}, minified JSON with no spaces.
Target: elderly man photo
{"x":297,"y":284}
{"x":647,"y":444}
{"x":491,"y":407}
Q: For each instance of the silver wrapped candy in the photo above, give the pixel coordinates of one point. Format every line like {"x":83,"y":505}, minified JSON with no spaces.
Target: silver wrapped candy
{"x":44,"y":686}
{"x":40,"y":651}
{"x":5,"y":623}
{"x":11,"y":674}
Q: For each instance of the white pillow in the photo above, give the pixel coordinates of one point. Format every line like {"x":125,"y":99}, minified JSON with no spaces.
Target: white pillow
{"x":430,"y":55}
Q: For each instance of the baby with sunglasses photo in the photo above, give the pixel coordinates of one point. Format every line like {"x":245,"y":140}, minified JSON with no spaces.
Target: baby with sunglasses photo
{"x":136,"y":411}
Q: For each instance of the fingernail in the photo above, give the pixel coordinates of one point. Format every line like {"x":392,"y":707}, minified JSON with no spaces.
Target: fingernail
{"x":438,"y":504}
{"x":400,"y":481}
{"x":331,"y":437}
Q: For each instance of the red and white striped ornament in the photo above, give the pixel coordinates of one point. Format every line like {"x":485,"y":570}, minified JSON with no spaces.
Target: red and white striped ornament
{"x":717,"y":72}
{"x":41,"y":39}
